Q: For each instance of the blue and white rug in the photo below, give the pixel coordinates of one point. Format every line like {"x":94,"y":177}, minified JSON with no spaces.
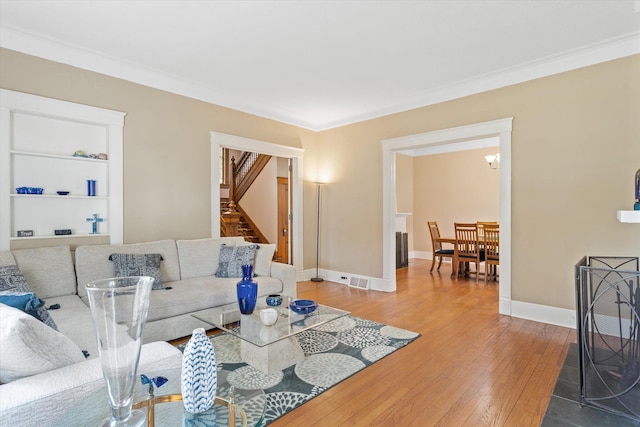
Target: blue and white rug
{"x":334,"y":351}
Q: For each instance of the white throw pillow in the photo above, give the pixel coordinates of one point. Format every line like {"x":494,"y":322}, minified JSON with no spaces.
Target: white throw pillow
{"x":29,"y":347}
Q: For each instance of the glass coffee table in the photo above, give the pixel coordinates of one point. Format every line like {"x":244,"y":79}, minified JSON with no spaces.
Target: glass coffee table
{"x":233,"y":406}
{"x":268,"y":348}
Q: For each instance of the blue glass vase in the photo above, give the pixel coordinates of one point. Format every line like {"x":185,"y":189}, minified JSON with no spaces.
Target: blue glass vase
{"x":247,"y":290}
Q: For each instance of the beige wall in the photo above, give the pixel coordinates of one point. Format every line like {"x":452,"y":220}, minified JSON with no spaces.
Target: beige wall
{"x":575,"y":146}
{"x":575,"y":150}
{"x":260,"y":201}
{"x":166,"y":142}
{"x":453,"y":187}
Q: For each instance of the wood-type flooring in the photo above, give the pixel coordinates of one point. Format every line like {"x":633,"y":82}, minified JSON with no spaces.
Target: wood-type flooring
{"x":470,"y":367}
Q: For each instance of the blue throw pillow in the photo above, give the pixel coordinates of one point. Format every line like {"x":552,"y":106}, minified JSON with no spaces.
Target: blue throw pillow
{"x":12,"y":281}
{"x":26,"y":302}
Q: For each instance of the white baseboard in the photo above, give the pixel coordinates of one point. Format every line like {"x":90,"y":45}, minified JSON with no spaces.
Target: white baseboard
{"x":544,"y":313}
{"x":330,"y":275}
{"x":419,"y":254}
{"x":426,"y":255}
{"x":344,"y":278}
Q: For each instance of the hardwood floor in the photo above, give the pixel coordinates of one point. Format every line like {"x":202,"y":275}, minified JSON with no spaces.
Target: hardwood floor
{"x":470,"y":367}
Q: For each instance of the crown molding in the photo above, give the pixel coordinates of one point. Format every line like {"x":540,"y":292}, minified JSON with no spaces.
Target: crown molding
{"x":55,"y":50}
{"x":605,"y":50}
{"x":91,"y":60}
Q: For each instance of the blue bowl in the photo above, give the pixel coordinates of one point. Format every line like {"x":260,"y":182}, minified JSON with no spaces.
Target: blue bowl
{"x":274,"y":300}
{"x":303,"y":306}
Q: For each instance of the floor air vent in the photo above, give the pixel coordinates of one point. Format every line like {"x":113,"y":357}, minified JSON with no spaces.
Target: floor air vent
{"x":357,"y":282}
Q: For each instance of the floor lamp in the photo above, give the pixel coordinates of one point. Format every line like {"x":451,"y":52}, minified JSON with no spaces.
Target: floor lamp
{"x":318,"y":278}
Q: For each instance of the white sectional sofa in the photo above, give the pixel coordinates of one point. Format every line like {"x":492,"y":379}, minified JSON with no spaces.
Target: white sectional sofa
{"x":187,"y":268}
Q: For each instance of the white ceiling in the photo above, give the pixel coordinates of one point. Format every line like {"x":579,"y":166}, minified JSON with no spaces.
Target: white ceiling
{"x":322,"y":64}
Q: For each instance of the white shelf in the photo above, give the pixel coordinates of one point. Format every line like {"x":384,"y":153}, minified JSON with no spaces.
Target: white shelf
{"x":38,"y":137}
{"x":53,"y":236}
{"x":58,"y":196}
{"x":629,"y":216}
{"x":57,"y":156}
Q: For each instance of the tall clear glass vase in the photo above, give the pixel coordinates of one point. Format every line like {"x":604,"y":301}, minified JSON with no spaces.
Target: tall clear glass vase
{"x":119,"y":309}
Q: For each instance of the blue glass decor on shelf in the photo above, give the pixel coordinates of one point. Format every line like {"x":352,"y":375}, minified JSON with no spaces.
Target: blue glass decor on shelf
{"x":199,"y":378}
{"x":91,"y":187}
{"x":247,"y":290}
{"x":94,"y":220}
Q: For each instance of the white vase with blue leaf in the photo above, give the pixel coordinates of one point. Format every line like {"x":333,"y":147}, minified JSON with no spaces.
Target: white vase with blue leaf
{"x":199,"y":375}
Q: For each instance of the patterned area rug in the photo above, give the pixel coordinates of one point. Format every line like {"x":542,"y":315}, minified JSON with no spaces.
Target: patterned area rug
{"x":334,"y":351}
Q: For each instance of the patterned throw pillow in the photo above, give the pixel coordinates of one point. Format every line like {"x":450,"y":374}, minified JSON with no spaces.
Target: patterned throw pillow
{"x":232,"y":258}
{"x":13,"y":282}
{"x":139,"y":265}
{"x":264,"y":257}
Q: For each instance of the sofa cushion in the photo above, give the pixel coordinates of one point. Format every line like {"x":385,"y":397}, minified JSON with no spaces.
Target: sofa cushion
{"x":200,"y":257}
{"x":50,"y":270}
{"x":232,"y":258}
{"x":29,"y":347}
{"x":92,"y":262}
{"x":138,"y":265}
{"x":6,"y":258}
{"x":12,"y":281}
{"x":74,"y":321}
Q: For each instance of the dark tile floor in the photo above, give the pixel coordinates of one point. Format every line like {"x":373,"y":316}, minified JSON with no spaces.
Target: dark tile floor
{"x":564,"y":409}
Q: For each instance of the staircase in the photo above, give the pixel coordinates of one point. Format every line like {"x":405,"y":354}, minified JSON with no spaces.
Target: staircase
{"x":243,"y":227}
{"x":234,"y":221}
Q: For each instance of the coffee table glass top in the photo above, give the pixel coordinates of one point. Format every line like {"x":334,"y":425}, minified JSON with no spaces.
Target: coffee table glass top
{"x":251,"y":329}
{"x":94,"y":406}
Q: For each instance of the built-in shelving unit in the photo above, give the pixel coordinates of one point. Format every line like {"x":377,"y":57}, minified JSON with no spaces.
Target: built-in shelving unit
{"x":629,"y":216}
{"x":38,"y":139}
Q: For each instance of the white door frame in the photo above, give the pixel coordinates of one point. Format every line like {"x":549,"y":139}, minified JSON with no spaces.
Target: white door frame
{"x":452,"y":139}
{"x":246,"y":144}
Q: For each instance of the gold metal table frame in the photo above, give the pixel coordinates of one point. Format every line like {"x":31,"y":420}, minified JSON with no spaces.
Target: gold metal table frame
{"x":153,"y":400}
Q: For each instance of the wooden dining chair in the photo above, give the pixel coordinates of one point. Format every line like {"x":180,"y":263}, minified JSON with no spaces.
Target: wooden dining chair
{"x":491,"y":251}
{"x":436,"y":245}
{"x":481,"y":225}
{"x":467,"y":248}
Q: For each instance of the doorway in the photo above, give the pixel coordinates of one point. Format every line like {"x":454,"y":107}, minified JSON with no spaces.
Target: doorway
{"x":282,"y":245}
{"x":452,"y":139}
{"x":294,"y":155}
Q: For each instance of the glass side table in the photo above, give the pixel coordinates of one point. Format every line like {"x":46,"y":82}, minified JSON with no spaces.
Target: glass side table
{"x":233,"y":406}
